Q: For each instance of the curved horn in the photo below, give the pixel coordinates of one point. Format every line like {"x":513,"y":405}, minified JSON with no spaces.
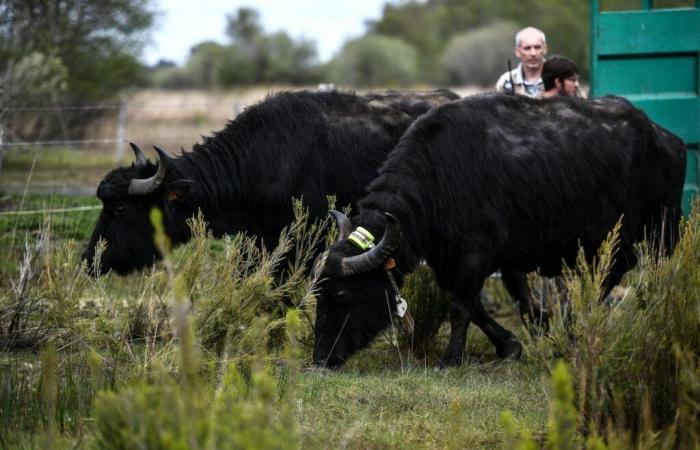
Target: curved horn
{"x":343,"y":223}
{"x":140,"y":157}
{"x":376,"y":256}
{"x":147,"y":185}
{"x":163,"y":154}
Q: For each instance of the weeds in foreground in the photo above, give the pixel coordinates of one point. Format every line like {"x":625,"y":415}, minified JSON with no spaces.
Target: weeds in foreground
{"x":220,"y":366}
{"x":635,"y":362}
{"x":248,"y":409}
{"x":129,"y":337}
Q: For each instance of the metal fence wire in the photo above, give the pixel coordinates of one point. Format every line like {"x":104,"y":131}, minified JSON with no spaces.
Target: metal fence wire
{"x":102,"y":129}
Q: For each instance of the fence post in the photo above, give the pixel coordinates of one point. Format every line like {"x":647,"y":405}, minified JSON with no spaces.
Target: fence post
{"x":119,"y":147}
{"x":2,"y":147}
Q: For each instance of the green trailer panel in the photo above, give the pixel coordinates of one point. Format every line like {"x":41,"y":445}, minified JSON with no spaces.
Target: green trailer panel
{"x":652,"y":57}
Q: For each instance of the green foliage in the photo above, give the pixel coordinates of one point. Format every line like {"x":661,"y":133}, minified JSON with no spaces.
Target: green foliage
{"x":375,"y":60}
{"x":479,"y":56}
{"x":429,"y":26}
{"x":563,"y":417}
{"x":636,"y":360}
{"x":34,"y":78}
{"x":167,"y":377}
{"x":244,"y":27}
{"x":89,"y":47}
{"x":205,"y":64}
{"x":428,"y":306}
{"x":252,"y":56}
{"x":245,"y":411}
{"x":49,"y":162}
{"x":267,"y":57}
{"x":514,"y":439}
{"x":21,"y":218}
{"x":42,"y":302}
{"x":242,"y":412}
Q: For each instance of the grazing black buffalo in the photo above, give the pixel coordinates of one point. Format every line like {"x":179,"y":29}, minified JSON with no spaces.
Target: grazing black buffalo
{"x":294,"y":144}
{"x":496,"y":182}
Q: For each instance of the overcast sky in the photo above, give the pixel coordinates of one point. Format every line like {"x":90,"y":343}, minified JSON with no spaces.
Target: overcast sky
{"x":184,"y":23}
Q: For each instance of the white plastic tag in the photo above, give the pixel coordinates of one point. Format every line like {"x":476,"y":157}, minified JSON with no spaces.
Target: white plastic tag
{"x":401,"y":306}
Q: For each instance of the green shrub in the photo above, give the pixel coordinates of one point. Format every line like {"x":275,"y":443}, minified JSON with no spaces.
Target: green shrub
{"x":635,"y":361}
{"x":480,"y":56}
{"x":428,"y":306}
{"x":563,"y":419}
{"x":248,"y":409}
{"x":375,"y":60}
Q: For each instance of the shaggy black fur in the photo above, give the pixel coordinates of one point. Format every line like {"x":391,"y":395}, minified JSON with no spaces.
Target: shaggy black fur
{"x":294,"y":144}
{"x":509,"y":183}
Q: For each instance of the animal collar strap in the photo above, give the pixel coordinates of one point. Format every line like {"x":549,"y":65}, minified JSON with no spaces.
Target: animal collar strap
{"x":362,"y":238}
{"x":365,"y":240}
{"x":401,"y":303}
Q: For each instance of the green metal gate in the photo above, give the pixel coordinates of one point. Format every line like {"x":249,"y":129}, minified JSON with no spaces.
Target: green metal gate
{"x":652,"y":57}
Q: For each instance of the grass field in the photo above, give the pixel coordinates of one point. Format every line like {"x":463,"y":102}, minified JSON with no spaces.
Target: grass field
{"x":107,"y":362}
{"x":385,"y":398}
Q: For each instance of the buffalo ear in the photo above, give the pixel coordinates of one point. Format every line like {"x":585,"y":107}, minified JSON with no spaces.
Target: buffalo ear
{"x":178,"y":189}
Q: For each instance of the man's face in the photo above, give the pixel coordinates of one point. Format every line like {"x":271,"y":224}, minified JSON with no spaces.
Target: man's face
{"x":568,"y":86}
{"x":531,"y":49}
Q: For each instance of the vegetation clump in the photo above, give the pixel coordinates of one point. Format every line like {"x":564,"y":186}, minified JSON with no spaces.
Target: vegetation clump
{"x":209,"y":349}
{"x":634,"y":361}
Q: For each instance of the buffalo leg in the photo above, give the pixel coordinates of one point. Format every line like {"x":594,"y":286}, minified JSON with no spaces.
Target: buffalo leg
{"x":518,"y":288}
{"x":460,"y":314}
{"x":465,"y":297}
{"x":506,"y":343}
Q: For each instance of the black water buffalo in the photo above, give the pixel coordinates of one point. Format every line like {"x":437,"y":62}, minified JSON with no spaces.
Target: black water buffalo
{"x":294,"y":144}
{"x":497,"y":182}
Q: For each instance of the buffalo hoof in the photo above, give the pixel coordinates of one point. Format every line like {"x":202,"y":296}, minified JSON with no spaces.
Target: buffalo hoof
{"x":510,"y":349}
{"x":449,"y":361}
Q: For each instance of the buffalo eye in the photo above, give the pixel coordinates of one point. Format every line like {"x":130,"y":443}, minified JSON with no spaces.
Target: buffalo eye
{"x":340,"y":294}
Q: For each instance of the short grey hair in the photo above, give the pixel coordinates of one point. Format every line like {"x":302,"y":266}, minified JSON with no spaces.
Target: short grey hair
{"x":519,"y":33}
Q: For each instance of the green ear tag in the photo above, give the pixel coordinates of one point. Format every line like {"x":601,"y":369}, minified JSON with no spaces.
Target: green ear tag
{"x":362,"y":238}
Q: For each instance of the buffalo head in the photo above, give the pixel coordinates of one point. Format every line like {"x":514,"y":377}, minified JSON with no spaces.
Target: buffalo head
{"x":355,"y":297}
{"x":127,"y":195}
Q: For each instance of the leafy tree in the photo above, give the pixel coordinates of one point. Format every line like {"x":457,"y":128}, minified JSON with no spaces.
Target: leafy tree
{"x":244,"y":27}
{"x":251,"y":56}
{"x":283,"y":59}
{"x":376,"y":60}
{"x":204,"y":63}
{"x":479,"y":56}
{"x":97,"y":41}
{"x":430,"y":25}
{"x":276,"y":57}
{"x":32,"y":78}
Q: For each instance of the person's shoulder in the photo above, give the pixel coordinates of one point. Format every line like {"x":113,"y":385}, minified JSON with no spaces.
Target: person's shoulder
{"x":505,"y":75}
{"x":502,"y":79}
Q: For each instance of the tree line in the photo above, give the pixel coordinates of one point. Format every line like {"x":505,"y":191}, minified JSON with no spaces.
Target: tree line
{"x":88,"y":50}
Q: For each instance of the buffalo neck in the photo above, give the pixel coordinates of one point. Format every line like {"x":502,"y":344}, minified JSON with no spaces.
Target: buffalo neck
{"x":214,"y":190}
{"x":411,"y":250}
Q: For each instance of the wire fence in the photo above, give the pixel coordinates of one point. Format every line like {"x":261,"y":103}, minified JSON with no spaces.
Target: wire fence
{"x":122,"y":116}
{"x":101,"y":133}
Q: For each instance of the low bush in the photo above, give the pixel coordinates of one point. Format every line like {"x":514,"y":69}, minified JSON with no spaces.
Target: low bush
{"x":635,"y":361}
{"x":375,"y":60}
{"x":480,"y":56}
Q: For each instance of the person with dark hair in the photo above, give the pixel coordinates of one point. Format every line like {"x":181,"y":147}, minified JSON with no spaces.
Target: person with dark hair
{"x":560,"y":77}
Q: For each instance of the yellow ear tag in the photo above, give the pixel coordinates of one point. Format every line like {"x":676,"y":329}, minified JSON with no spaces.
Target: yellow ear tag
{"x":362,"y":238}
